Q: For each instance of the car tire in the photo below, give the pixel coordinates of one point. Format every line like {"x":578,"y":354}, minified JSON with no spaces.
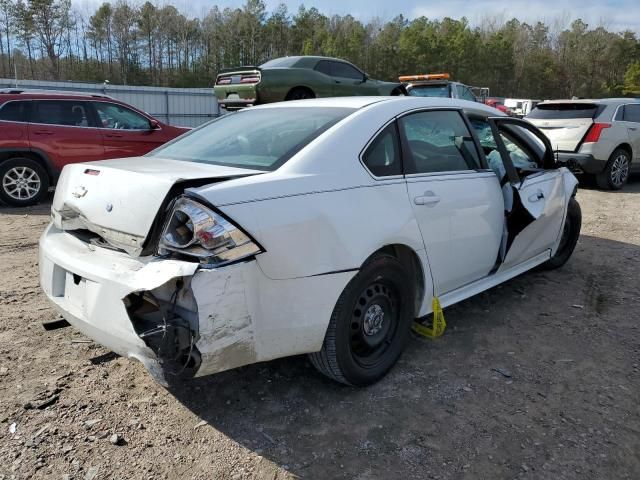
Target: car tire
{"x":370,"y":324}
{"x":23,"y":182}
{"x":300,"y":93}
{"x":616,"y":173}
{"x":569,"y":239}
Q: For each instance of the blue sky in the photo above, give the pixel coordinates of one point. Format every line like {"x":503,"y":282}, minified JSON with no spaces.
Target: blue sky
{"x":613,"y":14}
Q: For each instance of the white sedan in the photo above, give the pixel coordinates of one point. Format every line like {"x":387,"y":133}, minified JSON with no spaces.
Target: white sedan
{"x":319,"y":226}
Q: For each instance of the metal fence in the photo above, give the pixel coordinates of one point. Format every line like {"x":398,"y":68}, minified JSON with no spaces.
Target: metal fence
{"x":185,"y":107}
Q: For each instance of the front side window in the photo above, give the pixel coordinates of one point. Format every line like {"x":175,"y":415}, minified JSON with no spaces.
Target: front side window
{"x":632,"y":113}
{"x":324,"y":66}
{"x":344,"y":70}
{"x":466,"y":94}
{"x":260,"y":139}
{"x":438,"y":141}
{"x":111,"y":115}
{"x":68,"y":113}
{"x":14,"y":112}
{"x":382,"y":157}
{"x":521,"y":153}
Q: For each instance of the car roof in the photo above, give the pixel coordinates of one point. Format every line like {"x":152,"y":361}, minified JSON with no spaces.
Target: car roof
{"x":36,"y":93}
{"x":402,"y":102}
{"x":603,"y":101}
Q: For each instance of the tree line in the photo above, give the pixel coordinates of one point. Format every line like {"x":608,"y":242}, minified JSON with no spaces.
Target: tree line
{"x":147,"y":44}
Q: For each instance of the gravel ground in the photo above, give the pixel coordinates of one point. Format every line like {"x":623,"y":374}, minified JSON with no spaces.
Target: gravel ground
{"x":537,"y":378}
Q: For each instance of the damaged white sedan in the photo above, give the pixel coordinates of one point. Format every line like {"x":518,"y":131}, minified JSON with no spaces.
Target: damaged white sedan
{"x":320,"y":226}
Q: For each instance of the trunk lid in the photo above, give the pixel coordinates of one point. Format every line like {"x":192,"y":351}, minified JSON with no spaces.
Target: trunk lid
{"x":119,"y":200}
{"x":565,"y":124}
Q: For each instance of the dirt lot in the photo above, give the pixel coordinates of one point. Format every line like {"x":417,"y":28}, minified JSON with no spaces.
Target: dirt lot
{"x":538,"y":378}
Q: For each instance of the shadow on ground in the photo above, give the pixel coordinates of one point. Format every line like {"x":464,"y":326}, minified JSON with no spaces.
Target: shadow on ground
{"x":517,"y":384}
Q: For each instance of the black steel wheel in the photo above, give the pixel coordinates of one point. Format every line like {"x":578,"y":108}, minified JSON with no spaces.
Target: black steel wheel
{"x":370,"y":324}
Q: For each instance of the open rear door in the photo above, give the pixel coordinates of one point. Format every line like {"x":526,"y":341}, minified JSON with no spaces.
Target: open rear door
{"x":535,"y":214}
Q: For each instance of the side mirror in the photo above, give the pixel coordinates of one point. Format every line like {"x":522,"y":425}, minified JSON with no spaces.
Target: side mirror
{"x":365,"y":77}
{"x":154,"y":125}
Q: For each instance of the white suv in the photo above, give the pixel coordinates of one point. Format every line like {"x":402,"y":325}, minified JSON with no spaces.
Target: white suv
{"x":597,"y":137}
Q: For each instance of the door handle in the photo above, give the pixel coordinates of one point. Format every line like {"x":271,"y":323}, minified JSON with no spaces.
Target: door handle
{"x":43,"y":132}
{"x":113,"y":135}
{"x":633,"y":129}
{"x":536,"y":196}
{"x":337,"y":81}
{"x":429,"y":198}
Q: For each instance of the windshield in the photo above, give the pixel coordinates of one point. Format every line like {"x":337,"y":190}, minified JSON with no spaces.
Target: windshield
{"x":441,"y":91}
{"x":552,"y":111}
{"x":260,"y":139}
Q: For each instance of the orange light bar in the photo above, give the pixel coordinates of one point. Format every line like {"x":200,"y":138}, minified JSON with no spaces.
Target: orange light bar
{"x":426,"y":76}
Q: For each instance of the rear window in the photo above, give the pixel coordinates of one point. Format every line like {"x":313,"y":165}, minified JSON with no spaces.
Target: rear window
{"x":13,"y":112}
{"x":260,"y":139}
{"x":441,"y":91}
{"x":552,"y":111}
{"x":280,"y":62}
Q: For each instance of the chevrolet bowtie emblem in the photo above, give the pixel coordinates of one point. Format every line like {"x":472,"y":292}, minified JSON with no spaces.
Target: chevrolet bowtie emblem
{"x":79,"y":192}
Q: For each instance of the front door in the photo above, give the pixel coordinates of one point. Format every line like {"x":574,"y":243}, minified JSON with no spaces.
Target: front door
{"x":536,"y":193}
{"x":126,"y":133}
{"x":456,"y":201}
{"x":347,"y":79}
{"x":631,"y":119}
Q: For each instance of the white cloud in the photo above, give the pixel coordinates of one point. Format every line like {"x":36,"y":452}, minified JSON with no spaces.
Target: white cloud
{"x":613,"y":14}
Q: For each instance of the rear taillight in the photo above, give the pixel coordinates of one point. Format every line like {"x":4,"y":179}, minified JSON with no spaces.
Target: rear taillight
{"x":593,"y":135}
{"x":224,"y":81}
{"x":249,"y":79}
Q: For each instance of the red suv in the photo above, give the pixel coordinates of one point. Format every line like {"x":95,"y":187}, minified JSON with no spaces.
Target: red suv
{"x":41,"y":132}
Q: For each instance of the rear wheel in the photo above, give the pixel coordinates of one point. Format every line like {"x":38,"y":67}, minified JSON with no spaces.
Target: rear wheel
{"x":300,"y":93}
{"x":370,"y":324}
{"x":24,"y":182}
{"x":616,"y":173}
{"x":569,"y":238}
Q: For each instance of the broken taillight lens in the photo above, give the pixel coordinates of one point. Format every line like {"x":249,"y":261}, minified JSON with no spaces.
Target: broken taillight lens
{"x":197,"y":231}
{"x":593,"y":135}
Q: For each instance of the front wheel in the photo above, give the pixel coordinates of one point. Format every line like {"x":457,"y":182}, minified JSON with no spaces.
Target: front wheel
{"x":370,"y":324}
{"x":24,"y":182}
{"x":569,"y":238}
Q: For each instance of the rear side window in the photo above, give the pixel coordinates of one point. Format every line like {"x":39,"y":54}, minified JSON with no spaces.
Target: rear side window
{"x":382,"y":157}
{"x":632,"y":113}
{"x":69,"y":113}
{"x":438,"y":141}
{"x":552,"y":111}
{"x":14,"y":112}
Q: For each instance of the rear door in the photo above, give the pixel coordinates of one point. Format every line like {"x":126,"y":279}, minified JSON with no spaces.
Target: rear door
{"x":65,"y":131}
{"x":13,"y":124}
{"x":125,"y":132}
{"x":565,"y":124}
{"x":536,"y":211}
{"x":456,"y":200}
